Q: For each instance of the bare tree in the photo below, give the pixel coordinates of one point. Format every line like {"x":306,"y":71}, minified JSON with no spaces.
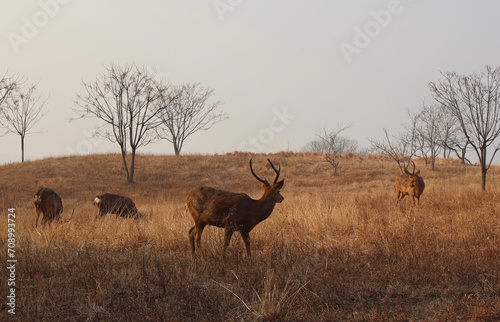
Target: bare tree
{"x":129,"y":100}
{"x":429,"y":130}
{"x":452,"y":138}
{"x":22,"y":110}
{"x":400,"y":148}
{"x":317,"y":146}
{"x":450,"y":131}
{"x":189,"y":113}
{"x":335,"y":145}
{"x":475,"y":101}
{"x":413,"y":137}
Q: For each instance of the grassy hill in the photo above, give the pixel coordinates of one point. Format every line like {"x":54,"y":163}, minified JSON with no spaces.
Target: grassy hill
{"x":337,"y":248}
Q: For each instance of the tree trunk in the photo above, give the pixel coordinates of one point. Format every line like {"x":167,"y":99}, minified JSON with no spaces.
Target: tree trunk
{"x":462,"y":156}
{"x":433,"y":158}
{"x":125,"y":165}
{"x":483,"y":178}
{"x":176,"y":148}
{"x":484,"y":169}
{"x":132,"y":167}
{"x":22,"y":148}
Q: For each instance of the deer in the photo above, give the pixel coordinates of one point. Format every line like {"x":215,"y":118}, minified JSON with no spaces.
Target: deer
{"x":409,"y":184}
{"x":109,"y":203}
{"x":232,"y":211}
{"x":48,"y":203}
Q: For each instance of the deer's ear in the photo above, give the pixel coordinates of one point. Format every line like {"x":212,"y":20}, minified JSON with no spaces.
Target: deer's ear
{"x":418,"y":172}
{"x":279,"y":184}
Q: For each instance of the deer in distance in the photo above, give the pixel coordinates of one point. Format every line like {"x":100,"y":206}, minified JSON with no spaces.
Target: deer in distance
{"x":108,"y":203}
{"x":409,"y":184}
{"x":232,"y":211}
{"x":47,"y":202}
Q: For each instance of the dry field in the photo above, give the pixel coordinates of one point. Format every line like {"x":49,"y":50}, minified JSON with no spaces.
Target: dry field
{"x":337,"y":248}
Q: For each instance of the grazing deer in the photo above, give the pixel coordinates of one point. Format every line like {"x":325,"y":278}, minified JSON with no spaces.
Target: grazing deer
{"x":47,"y":202}
{"x":108,"y":203}
{"x":409,"y":184}
{"x":232,"y":211}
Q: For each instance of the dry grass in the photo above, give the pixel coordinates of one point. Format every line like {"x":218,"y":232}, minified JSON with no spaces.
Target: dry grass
{"x":337,"y":248}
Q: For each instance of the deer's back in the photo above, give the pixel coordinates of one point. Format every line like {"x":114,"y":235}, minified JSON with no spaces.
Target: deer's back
{"x":215,"y":206}
{"x":50,"y":202}
{"x":110,"y":203}
{"x":406,"y":183}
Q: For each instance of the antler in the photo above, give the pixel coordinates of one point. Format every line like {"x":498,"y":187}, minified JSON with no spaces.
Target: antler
{"x":277,"y":171}
{"x":406,"y":169}
{"x":256,"y":177}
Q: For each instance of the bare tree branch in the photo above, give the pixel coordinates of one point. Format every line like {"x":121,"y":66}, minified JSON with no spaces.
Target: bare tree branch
{"x":187,"y":114}
{"x":400,"y":148}
{"x":9,"y":84}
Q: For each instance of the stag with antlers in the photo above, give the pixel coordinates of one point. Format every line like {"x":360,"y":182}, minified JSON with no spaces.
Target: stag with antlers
{"x":232,"y":211}
{"x":409,"y":184}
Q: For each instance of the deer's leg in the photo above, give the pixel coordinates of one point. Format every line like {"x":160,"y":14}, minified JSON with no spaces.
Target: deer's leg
{"x":199,"y":230}
{"x":246,"y":239}
{"x":37,"y":217}
{"x":228,"y":233}
{"x":192,"y":233}
{"x":402,"y":196}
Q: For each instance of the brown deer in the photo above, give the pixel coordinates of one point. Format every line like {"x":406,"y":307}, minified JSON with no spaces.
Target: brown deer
{"x":232,"y":211}
{"x":409,"y":184}
{"x":108,"y":203}
{"x":47,"y":202}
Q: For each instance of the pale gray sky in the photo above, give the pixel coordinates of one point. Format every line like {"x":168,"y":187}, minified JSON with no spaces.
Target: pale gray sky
{"x":283,"y":69}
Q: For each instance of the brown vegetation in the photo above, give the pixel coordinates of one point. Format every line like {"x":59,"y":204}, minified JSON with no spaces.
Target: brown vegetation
{"x":337,"y":249}
{"x":232,"y":211}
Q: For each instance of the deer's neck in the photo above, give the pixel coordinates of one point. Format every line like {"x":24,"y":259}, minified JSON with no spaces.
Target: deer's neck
{"x":266,"y":206}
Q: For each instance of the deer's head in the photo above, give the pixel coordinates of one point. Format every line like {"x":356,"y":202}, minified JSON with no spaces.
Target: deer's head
{"x":271,"y":191}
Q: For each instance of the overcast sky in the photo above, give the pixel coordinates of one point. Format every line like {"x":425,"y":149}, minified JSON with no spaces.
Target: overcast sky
{"x":283,"y":69}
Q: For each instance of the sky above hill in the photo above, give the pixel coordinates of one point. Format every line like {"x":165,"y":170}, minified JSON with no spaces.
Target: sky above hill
{"x":283,"y":69}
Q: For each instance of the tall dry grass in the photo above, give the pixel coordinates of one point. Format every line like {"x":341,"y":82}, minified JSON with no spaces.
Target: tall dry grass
{"x":337,"y":248}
